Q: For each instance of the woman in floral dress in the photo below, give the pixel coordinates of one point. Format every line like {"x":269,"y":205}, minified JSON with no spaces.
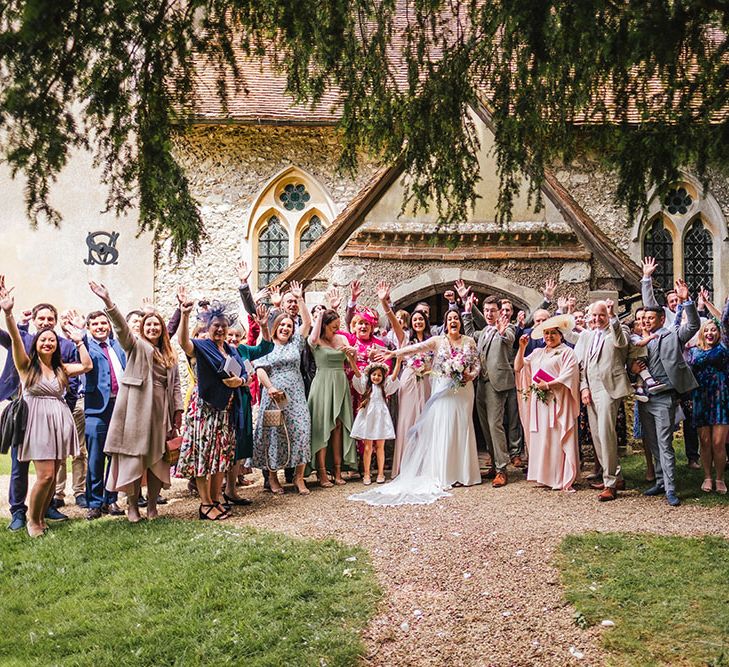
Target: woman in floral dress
{"x":709,"y":361}
{"x":279,"y":374}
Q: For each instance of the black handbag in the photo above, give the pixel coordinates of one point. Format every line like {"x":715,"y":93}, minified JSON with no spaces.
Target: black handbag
{"x":12,"y":424}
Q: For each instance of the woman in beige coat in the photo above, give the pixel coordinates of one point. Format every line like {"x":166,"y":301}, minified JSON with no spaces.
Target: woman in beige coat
{"x":148,"y":408}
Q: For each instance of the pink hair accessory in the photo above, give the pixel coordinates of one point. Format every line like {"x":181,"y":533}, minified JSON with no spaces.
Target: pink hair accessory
{"x":368,"y":315}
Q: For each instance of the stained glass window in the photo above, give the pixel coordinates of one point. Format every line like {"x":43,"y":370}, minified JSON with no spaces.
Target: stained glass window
{"x":678,"y":201}
{"x":294,"y":197}
{"x":698,"y":262}
{"x":659,"y":245}
{"x":273,"y":251}
{"x":313,"y":231}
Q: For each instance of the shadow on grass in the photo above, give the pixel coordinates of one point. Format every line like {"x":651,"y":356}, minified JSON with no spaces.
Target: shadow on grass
{"x":180,"y":593}
{"x":666,"y":595}
{"x":688,"y":482}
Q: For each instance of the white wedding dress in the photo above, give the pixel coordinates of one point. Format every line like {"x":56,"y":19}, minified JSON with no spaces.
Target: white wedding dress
{"x":441,"y":447}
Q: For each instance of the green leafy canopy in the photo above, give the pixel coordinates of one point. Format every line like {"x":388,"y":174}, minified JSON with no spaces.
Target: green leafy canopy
{"x":640,"y":83}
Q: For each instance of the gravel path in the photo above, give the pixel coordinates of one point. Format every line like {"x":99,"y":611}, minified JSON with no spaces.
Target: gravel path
{"x":468,"y":580}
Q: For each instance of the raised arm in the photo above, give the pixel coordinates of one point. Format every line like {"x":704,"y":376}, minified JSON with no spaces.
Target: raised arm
{"x":548,"y":293}
{"x":20,"y":357}
{"x":619,"y":333}
{"x":692,"y":324}
{"x":646,"y":283}
{"x":383,"y":294}
{"x":519,"y":359}
{"x":298,"y":291}
{"x":244,"y":289}
{"x":183,"y":333}
{"x":126,"y":338}
{"x":355,"y":291}
{"x":469,"y":326}
{"x":315,"y":334}
{"x":85,"y":364}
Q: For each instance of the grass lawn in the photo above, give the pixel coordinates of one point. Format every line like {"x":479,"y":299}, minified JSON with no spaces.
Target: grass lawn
{"x":688,"y":482}
{"x":5,"y":463}
{"x":666,"y":595}
{"x":180,"y":593}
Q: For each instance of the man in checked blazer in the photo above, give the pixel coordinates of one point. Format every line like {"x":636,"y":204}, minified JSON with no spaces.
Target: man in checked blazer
{"x":496,"y":379}
{"x":602,"y":353}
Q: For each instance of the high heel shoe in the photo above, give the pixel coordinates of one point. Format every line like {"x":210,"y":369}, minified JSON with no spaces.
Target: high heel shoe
{"x":236,"y":501}
{"x":204,"y":515}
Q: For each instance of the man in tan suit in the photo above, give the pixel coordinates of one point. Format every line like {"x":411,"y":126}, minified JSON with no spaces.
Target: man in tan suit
{"x":602,"y":353}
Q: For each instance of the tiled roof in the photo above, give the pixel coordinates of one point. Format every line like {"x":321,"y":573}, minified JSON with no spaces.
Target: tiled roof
{"x":263,"y":97}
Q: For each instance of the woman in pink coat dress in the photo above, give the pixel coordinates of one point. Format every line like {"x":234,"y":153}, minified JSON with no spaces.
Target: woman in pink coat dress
{"x":549,"y":382}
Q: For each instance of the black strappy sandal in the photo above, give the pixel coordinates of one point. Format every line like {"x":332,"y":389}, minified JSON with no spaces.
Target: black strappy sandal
{"x":236,"y":501}
{"x":204,"y":515}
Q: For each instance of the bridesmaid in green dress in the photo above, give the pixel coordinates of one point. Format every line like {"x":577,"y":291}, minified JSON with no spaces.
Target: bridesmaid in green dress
{"x":330,"y":402}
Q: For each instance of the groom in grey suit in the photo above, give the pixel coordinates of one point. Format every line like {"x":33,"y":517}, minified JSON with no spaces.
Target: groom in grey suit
{"x":602,"y":353}
{"x":667,"y":365}
{"x":496,"y":379}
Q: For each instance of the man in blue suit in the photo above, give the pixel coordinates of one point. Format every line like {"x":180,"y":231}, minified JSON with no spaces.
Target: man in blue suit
{"x":44,"y":316}
{"x":102,"y":385}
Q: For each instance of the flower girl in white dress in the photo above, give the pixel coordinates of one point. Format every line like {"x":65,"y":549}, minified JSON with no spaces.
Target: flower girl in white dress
{"x":373,"y":424}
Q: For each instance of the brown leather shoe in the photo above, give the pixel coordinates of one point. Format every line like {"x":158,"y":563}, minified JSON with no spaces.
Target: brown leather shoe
{"x":599,"y":486}
{"x":607,"y":494}
{"x":499,"y":479}
{"x":517,"y":462}
{"x":489,"y":474}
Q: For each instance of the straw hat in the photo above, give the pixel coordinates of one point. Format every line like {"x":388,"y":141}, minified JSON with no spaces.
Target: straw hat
{"x":565,"y":323}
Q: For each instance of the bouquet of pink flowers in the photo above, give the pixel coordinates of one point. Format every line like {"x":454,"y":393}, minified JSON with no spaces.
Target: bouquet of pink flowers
{"x":420,"y":363}
{"x":459,"y":363}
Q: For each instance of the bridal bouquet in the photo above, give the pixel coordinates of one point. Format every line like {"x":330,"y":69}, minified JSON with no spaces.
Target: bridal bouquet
{"x":458,"y":364}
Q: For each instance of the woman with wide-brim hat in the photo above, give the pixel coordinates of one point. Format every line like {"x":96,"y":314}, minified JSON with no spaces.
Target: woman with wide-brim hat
{"x":549,"y":382}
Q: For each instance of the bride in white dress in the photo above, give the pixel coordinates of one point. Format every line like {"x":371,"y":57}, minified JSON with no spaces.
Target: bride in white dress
{"x":441,"y":447}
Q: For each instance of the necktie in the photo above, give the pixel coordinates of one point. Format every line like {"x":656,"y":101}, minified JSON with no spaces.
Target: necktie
{"x":114,"y":384}
{"x":596,"y":342}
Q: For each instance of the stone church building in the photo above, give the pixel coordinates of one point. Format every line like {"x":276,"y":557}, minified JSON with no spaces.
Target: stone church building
{"x":264,"y":174}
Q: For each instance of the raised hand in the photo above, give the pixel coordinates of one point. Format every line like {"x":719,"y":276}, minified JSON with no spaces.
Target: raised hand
{"x":147,"y":304}
{"x":73,"y":333}
{"x":243,"y":271}
{"x":383,"y":291}
{"x":297,"y":290}
{"x":649,"y":266}
{"x":469,"y":303}
{"x":571,"y":304}
{"x":262,"y":314}
{"x":333,"y":298}
{"x":523,"y":341}
{"x":25,"y":317}
{"x":562,"y":304}
{"x":521,"y":319}
{"x":76,"y":318}
{"x":186,"y":303}
{"x":549,"y":288}
{"x":355,"y":290}
{"x":682,"y":290}
{"x":502,"y":324}
{"x":7,"y":301}
{"x":261,"y":294}
{"x":610,"y":307}
{"x":461,"y":289}
{"x":100,"y":290}
{"x":276,"y":296}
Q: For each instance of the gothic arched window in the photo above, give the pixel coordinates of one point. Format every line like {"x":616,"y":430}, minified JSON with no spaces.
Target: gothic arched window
{"x":698,"y":262}
{"x":658,"y":244}
{"x":273,"y":251}
{"x":314,"y":229}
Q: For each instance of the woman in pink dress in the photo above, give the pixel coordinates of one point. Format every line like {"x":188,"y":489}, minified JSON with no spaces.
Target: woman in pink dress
{"x":549,"y":382}
{"x":360,"y":335}
{"x":414,"y":384}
